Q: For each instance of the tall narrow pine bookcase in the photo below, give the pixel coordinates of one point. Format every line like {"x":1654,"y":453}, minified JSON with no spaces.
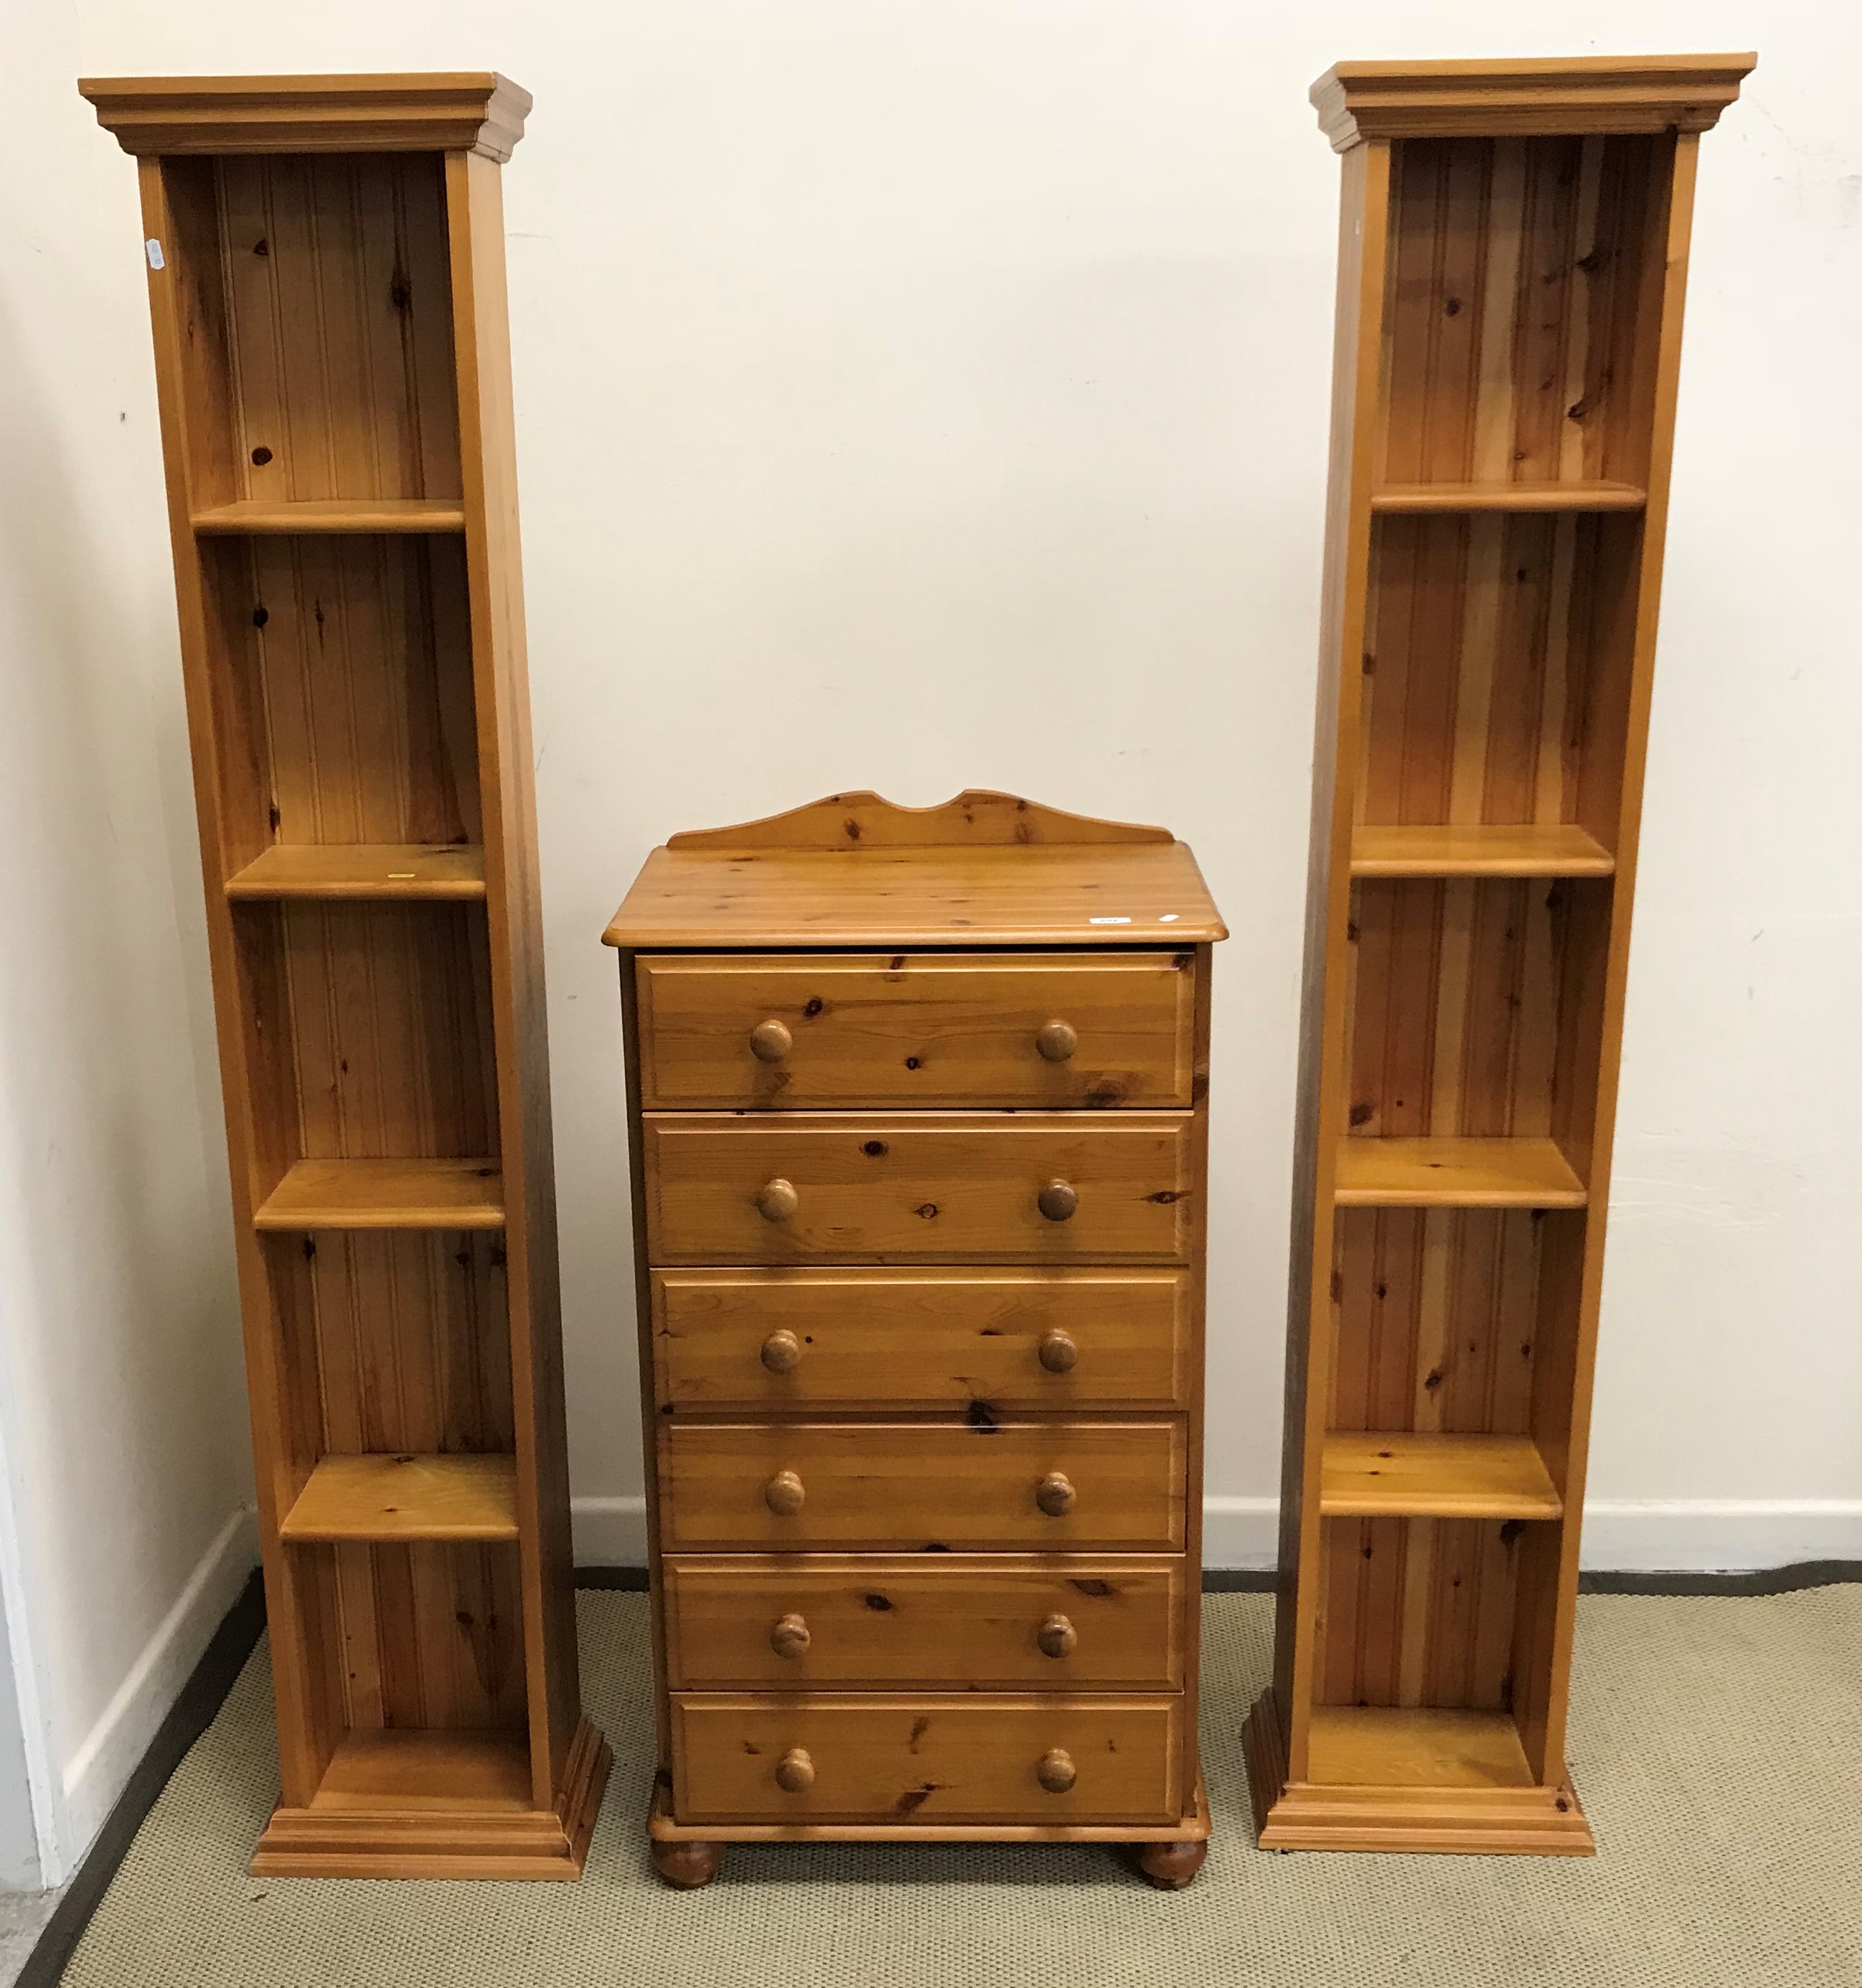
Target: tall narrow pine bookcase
{"x":327,"y":276}
{"x":1512,"y":251}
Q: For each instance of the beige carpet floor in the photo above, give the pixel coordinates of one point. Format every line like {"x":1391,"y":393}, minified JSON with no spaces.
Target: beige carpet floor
{"x":1717,"y":1744}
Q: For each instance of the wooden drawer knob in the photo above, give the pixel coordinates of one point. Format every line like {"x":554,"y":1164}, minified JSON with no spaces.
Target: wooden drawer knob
{"x":781,"y":1352}
{"x":770,"y":1042}
{"x":795,"y":1772}
{"x":1056,"y":1040}
{"x":777,"y":1200}
{"x":1055,"y":1770}
{"x":1059,"y":1353}
{"x":1056,"y":1637}
{"x":783,"y":1494}
{"x":1057,"y":1201}
{"x":1054,"y":1494}
{"x":789,"y":1637}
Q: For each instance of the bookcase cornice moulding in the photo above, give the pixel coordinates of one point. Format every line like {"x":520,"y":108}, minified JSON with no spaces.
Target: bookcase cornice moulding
{"x":1468,"y":99}
{"x":471,"y":111}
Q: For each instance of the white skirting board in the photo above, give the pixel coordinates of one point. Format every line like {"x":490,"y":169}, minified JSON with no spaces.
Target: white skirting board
{"x":1627,"y":1535}
{"x":100,"y":1765}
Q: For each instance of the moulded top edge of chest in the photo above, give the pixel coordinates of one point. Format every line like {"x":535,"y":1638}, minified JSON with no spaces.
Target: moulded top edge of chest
{"x":1101,"y":896}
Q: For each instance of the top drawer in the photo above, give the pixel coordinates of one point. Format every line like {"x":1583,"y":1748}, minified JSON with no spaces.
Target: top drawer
{"x":1056,"y":1030}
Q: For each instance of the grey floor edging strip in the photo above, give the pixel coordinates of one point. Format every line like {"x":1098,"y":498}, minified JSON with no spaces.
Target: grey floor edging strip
{"x":213,"y":1677}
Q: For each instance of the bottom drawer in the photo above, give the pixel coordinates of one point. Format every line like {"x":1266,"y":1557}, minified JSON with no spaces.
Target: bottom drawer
{"x":925,"y":1760}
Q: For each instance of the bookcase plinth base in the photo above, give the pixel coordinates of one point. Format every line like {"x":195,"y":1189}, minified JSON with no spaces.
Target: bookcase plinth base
{"x":434,"y":1842}
{"x":1537,"y":1822}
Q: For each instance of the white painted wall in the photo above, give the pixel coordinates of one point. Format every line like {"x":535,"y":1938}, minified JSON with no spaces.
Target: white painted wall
{"x":916,"y":396}
{"x":122,"y":1435}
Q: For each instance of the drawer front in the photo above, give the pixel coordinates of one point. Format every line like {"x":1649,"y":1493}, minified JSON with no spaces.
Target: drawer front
{"x":1086,"y":1623}
{"x":1047,"y":1485}
{"x":926,"y":1029}
{"x":925,"y":1761}
{"x":795,"y":1339}
{"x":726,"y":1189}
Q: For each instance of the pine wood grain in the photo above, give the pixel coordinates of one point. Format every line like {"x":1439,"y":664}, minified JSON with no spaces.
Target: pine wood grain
{"x":919,"y":1030}
{"x":923,"y":1338}
{"x":1360,"y":100}
{"x":315,"y":517}
{"x":925,"y":1759}
{"x":1437,"y":1312}
{"x":396,"y":870}
{"x":1478,"y":849}
{"x":1374,"y":1747}
{"x":1398,"y":1473}
{"x":923,"y":1187}
{"x":973,"y":1619}
{"x":346,"y":671}
{"x":1456,"y":1173}
{"x":171,"y":115}
{"x":1576,"y":493}
{"x":338,"y":320}
{"x":750,"y":1521}
{"x":327,"y":310}
{"x":404,"y":1497}
{"x":1112,"y":894}
{"x":977,"y":818}
{"x":394,"y":1340}
{"x":484,"y":1771}
{"x":1508,"y":338}
{"x":914,"y":1487}
{"x":385,"y":1193}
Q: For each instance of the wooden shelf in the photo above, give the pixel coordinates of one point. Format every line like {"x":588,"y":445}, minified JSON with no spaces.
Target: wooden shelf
{"x":1389,"y":1746}
{"x":1455,"y":1173}
{"x":399,"y":1498}
{"x":386,"y":1194}
{"x":1393,"y":1474}
{"x":373,"y":870}
{"x":336,"y":514}
{"x":402,"y":1769}
{"x":1559,"y":849}
{"x":1572,"y":495}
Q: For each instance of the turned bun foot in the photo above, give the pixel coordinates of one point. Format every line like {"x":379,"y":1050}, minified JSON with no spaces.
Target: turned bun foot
{"x":1169,"y":1867}
{"x":686,"y":1866}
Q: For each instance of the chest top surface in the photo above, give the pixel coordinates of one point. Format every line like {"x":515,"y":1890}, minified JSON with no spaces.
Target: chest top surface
{"x":984,"y":869}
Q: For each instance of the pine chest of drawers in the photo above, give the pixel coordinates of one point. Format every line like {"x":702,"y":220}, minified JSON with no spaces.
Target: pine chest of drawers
{"x":918,"y":1104}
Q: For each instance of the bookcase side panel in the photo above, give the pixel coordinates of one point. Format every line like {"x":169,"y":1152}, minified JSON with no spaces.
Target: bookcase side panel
{"x":475,"y":213}
{"x":1356,"y":361}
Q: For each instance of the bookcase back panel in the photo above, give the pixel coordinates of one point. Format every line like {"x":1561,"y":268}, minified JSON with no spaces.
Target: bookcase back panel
{"x":1418,"y":1612}
{"x":1495,"y":688}
{"x":350,"y":658}
{"x":330,"y":300}
{"x":407,"y":1334}
{"x":374,"y":1030}
{"x":425,"y":1635}
{"x":1513,"y":345}
{"x":1467,"y":997}
{"x":1435,"y":1311}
